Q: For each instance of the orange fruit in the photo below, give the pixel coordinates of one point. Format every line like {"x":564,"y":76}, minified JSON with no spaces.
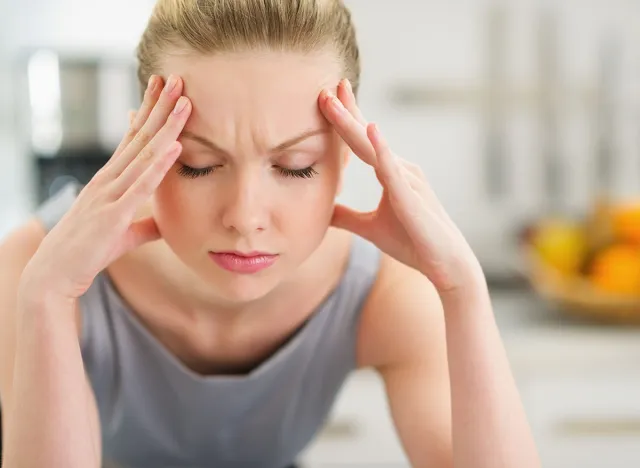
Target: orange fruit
{"x":616,"y":269}
{"x":626,"y":222}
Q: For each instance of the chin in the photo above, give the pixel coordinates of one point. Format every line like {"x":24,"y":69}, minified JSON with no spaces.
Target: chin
{"x":241,"y":288}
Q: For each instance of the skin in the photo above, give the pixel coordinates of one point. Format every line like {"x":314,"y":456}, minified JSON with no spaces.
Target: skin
{"x":251,"y":205}
{"x":450,"y":389}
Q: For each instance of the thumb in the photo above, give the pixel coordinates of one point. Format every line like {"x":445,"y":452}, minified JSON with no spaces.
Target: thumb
{"x":141,"y":232}
{"x":354,"y":221}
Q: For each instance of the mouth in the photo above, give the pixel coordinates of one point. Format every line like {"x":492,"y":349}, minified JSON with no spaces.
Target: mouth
{"x":243,"y":262}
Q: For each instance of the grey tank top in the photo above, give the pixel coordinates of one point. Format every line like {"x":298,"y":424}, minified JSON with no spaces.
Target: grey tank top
{"x":155,"y":412}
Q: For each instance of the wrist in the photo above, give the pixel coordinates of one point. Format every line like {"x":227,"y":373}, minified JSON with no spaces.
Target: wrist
{"x":36,"y":297}
{"x":471,"y":289}
{"x":467,"y":277}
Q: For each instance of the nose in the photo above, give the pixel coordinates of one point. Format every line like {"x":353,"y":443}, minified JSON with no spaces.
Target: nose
{"x":245,"y":211}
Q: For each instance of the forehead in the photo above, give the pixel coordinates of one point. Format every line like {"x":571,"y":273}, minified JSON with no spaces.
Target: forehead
{"x":256,"y":84}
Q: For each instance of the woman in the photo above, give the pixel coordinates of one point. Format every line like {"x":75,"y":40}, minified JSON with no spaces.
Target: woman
{"x":201,"y":301}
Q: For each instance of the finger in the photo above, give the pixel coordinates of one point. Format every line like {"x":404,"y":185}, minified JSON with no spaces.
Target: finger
{"x":354,"y":221}
{"x":408,"y":205}
{"x":411,"y":167}
{"x":401,"y":195}
{"x":152,"y":125}
{"x":145,"y":185}
{"x":414,"y":174}
{"x":151,"y":96}
{"x":141,"y":232}
{"x":389,"y":168}
{"x":349,"y":129}
{"x":410,"y":176}
{"x":132,"y":116}
{"x":157,"y":147}
{"x":346,"y":96}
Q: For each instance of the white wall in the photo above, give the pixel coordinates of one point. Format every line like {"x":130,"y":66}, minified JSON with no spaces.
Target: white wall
{"x":430,"y":42}
{"x":441,"y":43}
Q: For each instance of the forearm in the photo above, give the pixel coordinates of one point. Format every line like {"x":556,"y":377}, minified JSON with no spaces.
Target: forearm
{"x":490,"y":428}
{"x":50,"y":421}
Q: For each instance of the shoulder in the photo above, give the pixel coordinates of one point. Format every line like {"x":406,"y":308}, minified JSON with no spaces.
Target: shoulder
{"x":16,"y":250}
{"x":18,"y":246}
{"x":402,"y":319}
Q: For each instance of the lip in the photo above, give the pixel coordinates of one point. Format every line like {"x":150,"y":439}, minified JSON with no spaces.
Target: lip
{"x":243,"y":262}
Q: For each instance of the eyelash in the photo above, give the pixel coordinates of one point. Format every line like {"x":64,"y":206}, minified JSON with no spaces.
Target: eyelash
{"x":193,"y":172}
{"x":306,"y":173}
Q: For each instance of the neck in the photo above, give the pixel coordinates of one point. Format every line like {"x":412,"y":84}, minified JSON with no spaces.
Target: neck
{"x":203,"y":330}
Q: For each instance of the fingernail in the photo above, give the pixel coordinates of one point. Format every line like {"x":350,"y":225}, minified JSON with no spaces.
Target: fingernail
{"x":377,"y":134}
{"x":151,"y":85}
{"x":180,"y":105}
{"x":336,"y":104}
{"x":347,"y":84}
{"x":171,"y":83}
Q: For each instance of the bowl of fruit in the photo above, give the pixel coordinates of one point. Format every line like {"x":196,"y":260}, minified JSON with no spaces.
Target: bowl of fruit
{"x":588,"y":266}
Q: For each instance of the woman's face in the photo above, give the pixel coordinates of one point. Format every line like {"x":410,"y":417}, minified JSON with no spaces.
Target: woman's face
{"x":260,"y":166}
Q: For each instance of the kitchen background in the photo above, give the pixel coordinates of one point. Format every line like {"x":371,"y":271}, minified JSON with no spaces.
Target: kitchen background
{"x":517,"y":111}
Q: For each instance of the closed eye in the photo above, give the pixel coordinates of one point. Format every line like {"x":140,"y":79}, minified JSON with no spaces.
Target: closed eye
{"x":195,"y":172}
{"x":306,"y":173}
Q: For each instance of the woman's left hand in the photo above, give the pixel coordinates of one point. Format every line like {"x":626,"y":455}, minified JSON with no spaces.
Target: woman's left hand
{"x":410,"y":224}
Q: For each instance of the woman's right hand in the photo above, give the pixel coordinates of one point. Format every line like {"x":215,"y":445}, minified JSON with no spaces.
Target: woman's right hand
{"x":100,"y":226}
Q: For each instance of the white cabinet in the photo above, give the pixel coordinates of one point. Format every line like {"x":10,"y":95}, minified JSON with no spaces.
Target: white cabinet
{"x":585,"y":420}
{"x":581,"y":392}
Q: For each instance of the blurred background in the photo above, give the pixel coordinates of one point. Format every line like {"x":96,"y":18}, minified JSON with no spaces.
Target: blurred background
{"x":524,"y":115}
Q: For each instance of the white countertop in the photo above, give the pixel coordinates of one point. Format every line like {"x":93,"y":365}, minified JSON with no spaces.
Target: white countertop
{"x":534,"y":333}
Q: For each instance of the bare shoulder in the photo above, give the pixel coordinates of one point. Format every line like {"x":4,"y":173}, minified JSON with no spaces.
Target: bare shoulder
{"x":402,"y":320}
{"x":16,"y":250}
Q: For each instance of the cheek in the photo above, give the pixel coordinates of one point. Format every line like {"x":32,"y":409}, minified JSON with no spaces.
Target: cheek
{"x":175,"y":209}
{"x":311,"y":202}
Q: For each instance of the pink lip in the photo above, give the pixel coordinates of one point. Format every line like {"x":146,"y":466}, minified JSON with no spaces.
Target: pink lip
{"x":243,"y":263}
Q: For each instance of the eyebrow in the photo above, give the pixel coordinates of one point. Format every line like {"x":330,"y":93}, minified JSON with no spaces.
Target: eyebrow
{"x":281,"y":147}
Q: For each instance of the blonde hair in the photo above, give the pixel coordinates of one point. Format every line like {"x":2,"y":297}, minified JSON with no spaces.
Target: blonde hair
{"x":215,"y":26}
